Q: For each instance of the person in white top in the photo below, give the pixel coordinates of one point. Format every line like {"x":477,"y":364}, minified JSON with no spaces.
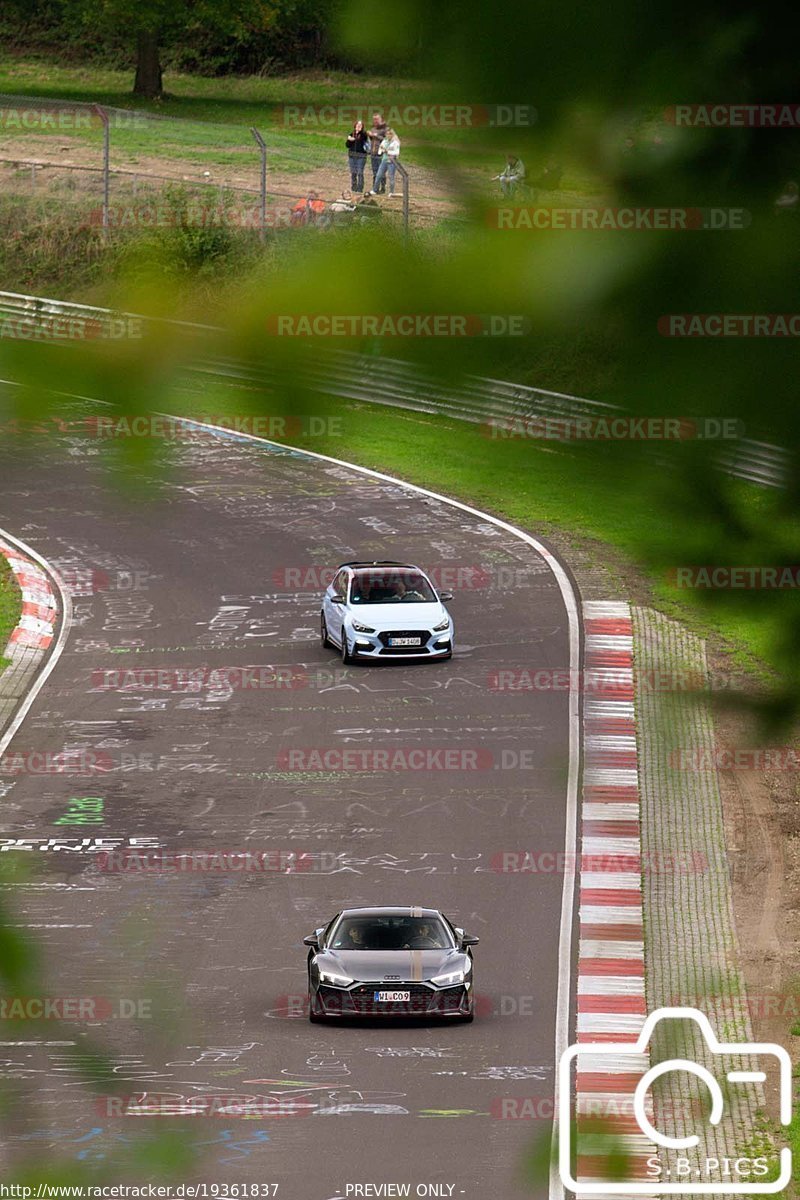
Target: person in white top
{"x":390,"y":152}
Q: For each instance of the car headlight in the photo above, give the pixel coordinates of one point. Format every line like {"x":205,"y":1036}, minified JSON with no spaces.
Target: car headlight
{"x":362,"y":628}
{"x":449,"y":979}
{"x":334,"y":979}
{"x":445,"y":624}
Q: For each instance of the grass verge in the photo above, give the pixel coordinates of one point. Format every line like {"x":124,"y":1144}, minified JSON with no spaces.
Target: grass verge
{"x":10,"y":607}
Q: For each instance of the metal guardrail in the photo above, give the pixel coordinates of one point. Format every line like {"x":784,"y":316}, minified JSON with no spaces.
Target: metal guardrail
{"x":400,"y":384}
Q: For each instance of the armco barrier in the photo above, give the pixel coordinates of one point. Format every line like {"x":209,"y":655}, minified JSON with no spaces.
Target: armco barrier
{"x":404,"y":385}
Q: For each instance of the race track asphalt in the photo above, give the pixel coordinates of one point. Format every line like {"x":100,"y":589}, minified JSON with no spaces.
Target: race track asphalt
{"x":210,"y":558}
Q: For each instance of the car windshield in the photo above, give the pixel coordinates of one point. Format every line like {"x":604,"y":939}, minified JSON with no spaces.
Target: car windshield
{"x":391,"y":586}
{"x":391,"y":933}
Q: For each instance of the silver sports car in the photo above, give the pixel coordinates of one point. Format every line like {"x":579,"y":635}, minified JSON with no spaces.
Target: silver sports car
{"x":390,"y":962}
{"x":383,"y":610}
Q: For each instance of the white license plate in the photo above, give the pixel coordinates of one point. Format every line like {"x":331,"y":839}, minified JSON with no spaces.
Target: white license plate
{"x":405,"y":641}
{"x":391,"y":997}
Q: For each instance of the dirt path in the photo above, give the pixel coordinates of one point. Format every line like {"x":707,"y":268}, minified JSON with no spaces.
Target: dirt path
{"x":57,"y":158}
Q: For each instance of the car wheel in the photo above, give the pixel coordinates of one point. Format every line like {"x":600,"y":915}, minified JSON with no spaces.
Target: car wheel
{"x":347,"y":657}
{"x":313,"y":1017}
{"x":323,"y":634}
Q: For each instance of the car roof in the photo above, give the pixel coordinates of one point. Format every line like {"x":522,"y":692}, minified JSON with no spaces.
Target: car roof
{"x":391,"y":911}
{"x":379,"y":563}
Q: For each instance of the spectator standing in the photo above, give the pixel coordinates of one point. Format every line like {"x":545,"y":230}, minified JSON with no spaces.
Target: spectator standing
{"x":376,"y":134}
{"x":390,"y":153}
{"x":357,"y":144}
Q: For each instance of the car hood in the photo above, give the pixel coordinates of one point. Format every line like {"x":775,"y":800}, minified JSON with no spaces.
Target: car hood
{"x":400,"y":616}
{"x":373,"y":966}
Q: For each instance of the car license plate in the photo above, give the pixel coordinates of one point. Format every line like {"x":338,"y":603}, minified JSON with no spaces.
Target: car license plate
{"x":405,"y":641}
{"x":391,"y":997}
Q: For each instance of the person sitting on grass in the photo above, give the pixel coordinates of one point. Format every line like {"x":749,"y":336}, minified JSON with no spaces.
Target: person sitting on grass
{"x":308,"y":210}
{"x":513,"y":175}
{"x":789,"y":199}
{"x":368,"y":210}
{"x":342,"y":210}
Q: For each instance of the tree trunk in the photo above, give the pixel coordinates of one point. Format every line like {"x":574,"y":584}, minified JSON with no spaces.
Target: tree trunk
{"x":148,"y":67}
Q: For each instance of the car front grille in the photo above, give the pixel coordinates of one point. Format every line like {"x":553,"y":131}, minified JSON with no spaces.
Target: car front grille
{"x":424,"y":1001}
{"x":422,"y":634}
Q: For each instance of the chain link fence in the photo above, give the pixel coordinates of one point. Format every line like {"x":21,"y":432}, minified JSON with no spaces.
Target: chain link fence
{"x":121,"y":168}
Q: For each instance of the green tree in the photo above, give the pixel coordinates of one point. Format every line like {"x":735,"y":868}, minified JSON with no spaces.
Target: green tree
{"x":157,"y":24}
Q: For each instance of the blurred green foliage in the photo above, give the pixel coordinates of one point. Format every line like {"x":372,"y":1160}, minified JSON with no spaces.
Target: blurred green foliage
{"x":597,"y":78}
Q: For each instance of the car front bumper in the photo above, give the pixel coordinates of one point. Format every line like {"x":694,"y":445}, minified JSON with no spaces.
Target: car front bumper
{"x":425,"y":1001}
{"x":377,"y":645}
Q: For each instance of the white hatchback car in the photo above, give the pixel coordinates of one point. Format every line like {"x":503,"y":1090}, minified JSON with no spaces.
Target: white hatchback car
{"x":385,"y":610}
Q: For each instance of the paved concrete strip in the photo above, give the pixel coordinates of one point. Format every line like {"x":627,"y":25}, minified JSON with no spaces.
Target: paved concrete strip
{"x":692,"y":951}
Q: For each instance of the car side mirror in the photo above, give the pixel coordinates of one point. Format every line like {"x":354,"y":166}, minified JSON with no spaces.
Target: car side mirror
{"x":469,"y":939}
{"x":445,"y":596}
{"x":337,"y":599}
{"x":312,"y":940}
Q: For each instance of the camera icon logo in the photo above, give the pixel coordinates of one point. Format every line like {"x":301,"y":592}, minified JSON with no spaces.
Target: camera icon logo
{"x":699,"y":1175}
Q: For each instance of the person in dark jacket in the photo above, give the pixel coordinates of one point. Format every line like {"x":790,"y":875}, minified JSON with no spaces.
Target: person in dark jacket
{"x":357,"y":143}
{"x":376,"y":134}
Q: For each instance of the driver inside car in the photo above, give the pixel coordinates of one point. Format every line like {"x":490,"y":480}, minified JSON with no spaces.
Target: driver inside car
{"x":403,"y":592}
{"x":423,"y":939}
